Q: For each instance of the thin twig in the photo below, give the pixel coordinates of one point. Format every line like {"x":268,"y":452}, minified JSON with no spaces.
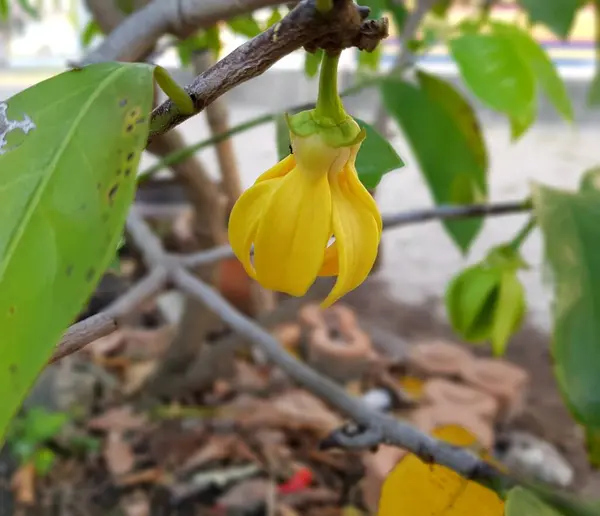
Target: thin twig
{"x":84,"y":332}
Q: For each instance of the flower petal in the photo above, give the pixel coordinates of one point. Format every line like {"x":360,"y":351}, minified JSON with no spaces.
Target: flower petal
{"x":357,"y":229}
{"x":279,"y":170}
{"x":293,"y":233}
{"x":244,"y":219}
{"x":330,"y":266}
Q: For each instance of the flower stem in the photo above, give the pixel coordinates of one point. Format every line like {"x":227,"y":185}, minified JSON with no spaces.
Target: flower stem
{"x":329,"y":104}
{"x":324,"y":6}
{"x":522,"y":235}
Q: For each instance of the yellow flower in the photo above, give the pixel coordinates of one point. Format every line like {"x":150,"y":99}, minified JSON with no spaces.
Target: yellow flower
{"x":292,"y":212}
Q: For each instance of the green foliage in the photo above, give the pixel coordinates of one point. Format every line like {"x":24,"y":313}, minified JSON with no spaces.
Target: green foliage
{"x":91,"y":30}
{"x":376,"y":158}
{"x":49,"y":263}
{"x":486,"y":302}
{"x":369,"y":60}
{"x":245,"y":25}
{"x":593,"y":99}
{"x":209,"y":39}
{"x":569,"y":223}
{"x":541,"y":65}
{"x":5,"y":6}
{"x":436,"y":125}
{"x":557,"y":15}
{"x":312,"y":62}
{"x":28,"y":435}
{"x":521,"y":502}
{"x":494,"y":71}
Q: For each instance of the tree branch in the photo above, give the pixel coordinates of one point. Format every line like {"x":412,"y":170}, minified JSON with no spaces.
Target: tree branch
{"x":137,"y":34}
{"x":343,"y":27}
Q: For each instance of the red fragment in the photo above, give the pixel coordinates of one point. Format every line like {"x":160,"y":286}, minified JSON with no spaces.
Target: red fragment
{"x":299,"y":481}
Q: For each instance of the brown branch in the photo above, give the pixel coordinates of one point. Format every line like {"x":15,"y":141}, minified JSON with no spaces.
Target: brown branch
{"x":137,"y":34}
{"x":342,"y":28}
{"x":84,"y":332}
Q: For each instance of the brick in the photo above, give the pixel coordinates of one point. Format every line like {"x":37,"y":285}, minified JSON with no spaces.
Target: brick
{"x":438,"y":391}
{"x":504,"y":381}
{"x":438,"y":358}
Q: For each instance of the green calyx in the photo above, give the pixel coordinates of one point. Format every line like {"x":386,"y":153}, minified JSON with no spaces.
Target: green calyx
{"x":342,"y":134}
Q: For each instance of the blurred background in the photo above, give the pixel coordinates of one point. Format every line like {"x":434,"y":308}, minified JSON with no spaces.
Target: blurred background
{"x":405,"y":295}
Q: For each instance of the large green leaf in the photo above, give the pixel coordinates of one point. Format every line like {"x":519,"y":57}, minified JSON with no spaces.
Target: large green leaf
{"x":593,"y":98}
{"x":459,"y":110}
{"x":67,"y":177}
{"x":557,"y":15}
{"x":454,"y":173}
{"x":569,"y":223}
{"x":376,"y":157}
{"x":312,"y":62}
{"x":542,"y":66}
{"x":521,"y":502}
{"x":495,"y":72}
{"x":245,"y":25}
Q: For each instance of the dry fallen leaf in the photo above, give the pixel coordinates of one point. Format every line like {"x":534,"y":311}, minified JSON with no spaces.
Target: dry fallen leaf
{"x":119,"y":419}
{"x":23,"y":484}
{"x":136,"y":504}
{"x":118,"y":454}
{"x":414,"y":488}
{"x":136,"y":375}
{"x":245,"y":493}
{"x":295,"y":410}
{"x":106,"y":345}
{"x":143,"y":344}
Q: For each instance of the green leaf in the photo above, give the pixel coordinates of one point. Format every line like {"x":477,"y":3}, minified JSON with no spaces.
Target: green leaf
{"x":376,"y":157}
{"x":441,"y":148}
{"x":4,"y":9}
{"x":440,"y":8}
{"x":459,"y":110}
{"x":282,"y":137}
{"x":369,"y":60}
{"x":592,"y":444}
{"x":495,"y":72}
{"x":521,"y":502}
{"x":470,"y":298}
{"x":29,"y":9}
{"x":593,"y":99}
{"x":590,"y":181}
{"x":520,"y":124}
{"x":43,"y":460}
{"x":312,"y":62}
{"x":377,"y":7}
{"x":91,"y":30}
{"x":245,"y":25}
{"x":510,"y":309}
{"x":399,"y":13}
{"x":127,"y":6}
{"x":557,"y":15}
{"x":569,"y":224}
{"x":41,"y":425}
{"x":542,"y":66}
{"x":275,"y":17}
{"x":67,"y":178}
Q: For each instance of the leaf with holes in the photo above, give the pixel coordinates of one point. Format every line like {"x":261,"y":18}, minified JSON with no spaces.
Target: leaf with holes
{"x":69,"y":151}
{"x":569,"y":224}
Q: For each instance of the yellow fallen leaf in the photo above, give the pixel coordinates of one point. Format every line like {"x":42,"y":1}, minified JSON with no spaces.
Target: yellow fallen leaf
{"x":412,"y":386}
{"x":414,"y":488}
